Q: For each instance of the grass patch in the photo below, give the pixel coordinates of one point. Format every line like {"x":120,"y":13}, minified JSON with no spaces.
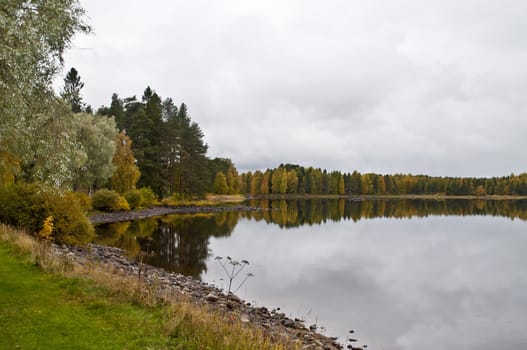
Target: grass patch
{"x":209,"y":201}
{"x":56,"y":305}
{"x":40,"y":310}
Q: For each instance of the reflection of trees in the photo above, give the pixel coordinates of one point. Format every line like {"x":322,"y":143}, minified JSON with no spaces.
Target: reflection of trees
{"x":178,"y":242}
{"x":181,"y":242}
{"x":292,"y":213}
{"x":126,"y":235}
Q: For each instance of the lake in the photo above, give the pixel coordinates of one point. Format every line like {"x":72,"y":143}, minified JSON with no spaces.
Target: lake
{"x":404,"y":274}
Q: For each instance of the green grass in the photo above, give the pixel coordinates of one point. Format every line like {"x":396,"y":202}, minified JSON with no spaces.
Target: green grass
{"x":59,"y":305}
{"x":40,"y":310}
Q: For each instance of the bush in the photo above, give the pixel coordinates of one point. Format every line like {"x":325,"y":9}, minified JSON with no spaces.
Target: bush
{"x":123,"y":204}
{"x":84,"y":200}
{"x":28,"y":206}
{"x":149,"y":197}
{"x":23,"y":205}
{"x":71,"y":224}
{"x":134,"y":198}
{"x":108,"y":200}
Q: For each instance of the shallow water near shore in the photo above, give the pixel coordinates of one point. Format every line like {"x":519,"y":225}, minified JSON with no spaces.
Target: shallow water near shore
{"x":403,"y":274}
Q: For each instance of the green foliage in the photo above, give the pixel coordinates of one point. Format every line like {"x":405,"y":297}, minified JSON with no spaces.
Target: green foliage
{"x":148,"y":196}
{"x":108,"y":200}
{"x":96,"y":136}
{"x":71,"y":225}
{"x":317,"y":181}
{"x":23,"y":205}
{"x":27,"y":206}
{"x":35,"y":127}
{"x":72,"y":90}
{"x":84,"y":200}
{"x":168,"y":149}
{"x":134,"y":198}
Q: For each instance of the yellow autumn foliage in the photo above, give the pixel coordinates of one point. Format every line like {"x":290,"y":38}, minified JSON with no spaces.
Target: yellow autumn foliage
{"x":46,"y":233}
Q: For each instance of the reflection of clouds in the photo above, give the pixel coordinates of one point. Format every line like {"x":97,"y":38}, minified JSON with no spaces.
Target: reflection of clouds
{"x":404,"y":284}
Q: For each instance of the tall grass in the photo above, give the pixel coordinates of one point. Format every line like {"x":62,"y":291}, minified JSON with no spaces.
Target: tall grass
{"x":195,"y":326}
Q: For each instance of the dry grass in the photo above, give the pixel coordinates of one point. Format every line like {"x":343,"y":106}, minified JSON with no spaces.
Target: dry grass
{"x":196,"y":326}
{"x":208,"y":201}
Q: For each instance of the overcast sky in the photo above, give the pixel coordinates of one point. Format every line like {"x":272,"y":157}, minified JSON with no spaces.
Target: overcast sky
{"x":423,"y":87}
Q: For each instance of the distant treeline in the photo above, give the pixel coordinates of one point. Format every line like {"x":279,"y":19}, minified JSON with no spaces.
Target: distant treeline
{"x":295,"y":179}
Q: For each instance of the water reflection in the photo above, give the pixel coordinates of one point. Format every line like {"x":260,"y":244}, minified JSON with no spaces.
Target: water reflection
{"x":293,"y":213}
{"x":178,"y":243}
{"x":452,"y":279}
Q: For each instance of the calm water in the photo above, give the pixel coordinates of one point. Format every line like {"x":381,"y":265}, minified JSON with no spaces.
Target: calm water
{"x":402,"y":274}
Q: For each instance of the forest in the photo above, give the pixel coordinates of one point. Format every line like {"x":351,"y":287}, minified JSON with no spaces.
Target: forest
{"x":296,"y":179}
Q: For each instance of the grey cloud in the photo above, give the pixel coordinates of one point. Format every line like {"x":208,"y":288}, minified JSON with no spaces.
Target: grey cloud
{"x":380,"y":86}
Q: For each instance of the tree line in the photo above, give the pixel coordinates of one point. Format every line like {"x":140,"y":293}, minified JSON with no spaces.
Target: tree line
{"x":295,"y":179}
{"x":56,"y":139}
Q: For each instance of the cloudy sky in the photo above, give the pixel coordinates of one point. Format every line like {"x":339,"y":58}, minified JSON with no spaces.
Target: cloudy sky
{"x":433,"y":87}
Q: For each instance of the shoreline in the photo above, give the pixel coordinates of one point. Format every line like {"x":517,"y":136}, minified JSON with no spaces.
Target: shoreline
{"x":119,"y":216}
{"x":366,"y":197}
{"x":273,"y":323}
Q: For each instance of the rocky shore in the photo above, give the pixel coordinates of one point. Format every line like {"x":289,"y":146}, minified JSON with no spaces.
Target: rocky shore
{"x":118,"y":216}
{"x":273,"y":322}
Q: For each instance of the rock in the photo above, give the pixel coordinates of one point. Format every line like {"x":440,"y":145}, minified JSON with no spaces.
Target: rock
{"x":288,"y":323}
{"x":211,"y":297}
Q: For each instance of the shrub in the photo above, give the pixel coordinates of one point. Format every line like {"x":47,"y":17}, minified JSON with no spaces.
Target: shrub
{"x":123,"y":204}
{"x":134,"y":198}
{"x":23,"y":205}
{"x":84,"y":200}
{"x":106,"y":200}
{"x":70,"y":222}
{"x":149,"y":197}
{"x":28,"y":206}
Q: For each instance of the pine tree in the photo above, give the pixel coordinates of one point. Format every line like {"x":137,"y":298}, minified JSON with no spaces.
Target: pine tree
{"x":151,"y":169}
{"x":117,"y":111}
{"x":72,"y":90}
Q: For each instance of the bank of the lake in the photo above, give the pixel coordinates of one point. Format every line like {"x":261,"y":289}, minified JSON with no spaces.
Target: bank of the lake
{"x":358,"y":197}
{"x":204,"y":317}
{"x":119,"y":216}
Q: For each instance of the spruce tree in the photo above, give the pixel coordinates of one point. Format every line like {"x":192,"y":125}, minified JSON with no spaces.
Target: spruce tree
{"x":72,"y":90}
